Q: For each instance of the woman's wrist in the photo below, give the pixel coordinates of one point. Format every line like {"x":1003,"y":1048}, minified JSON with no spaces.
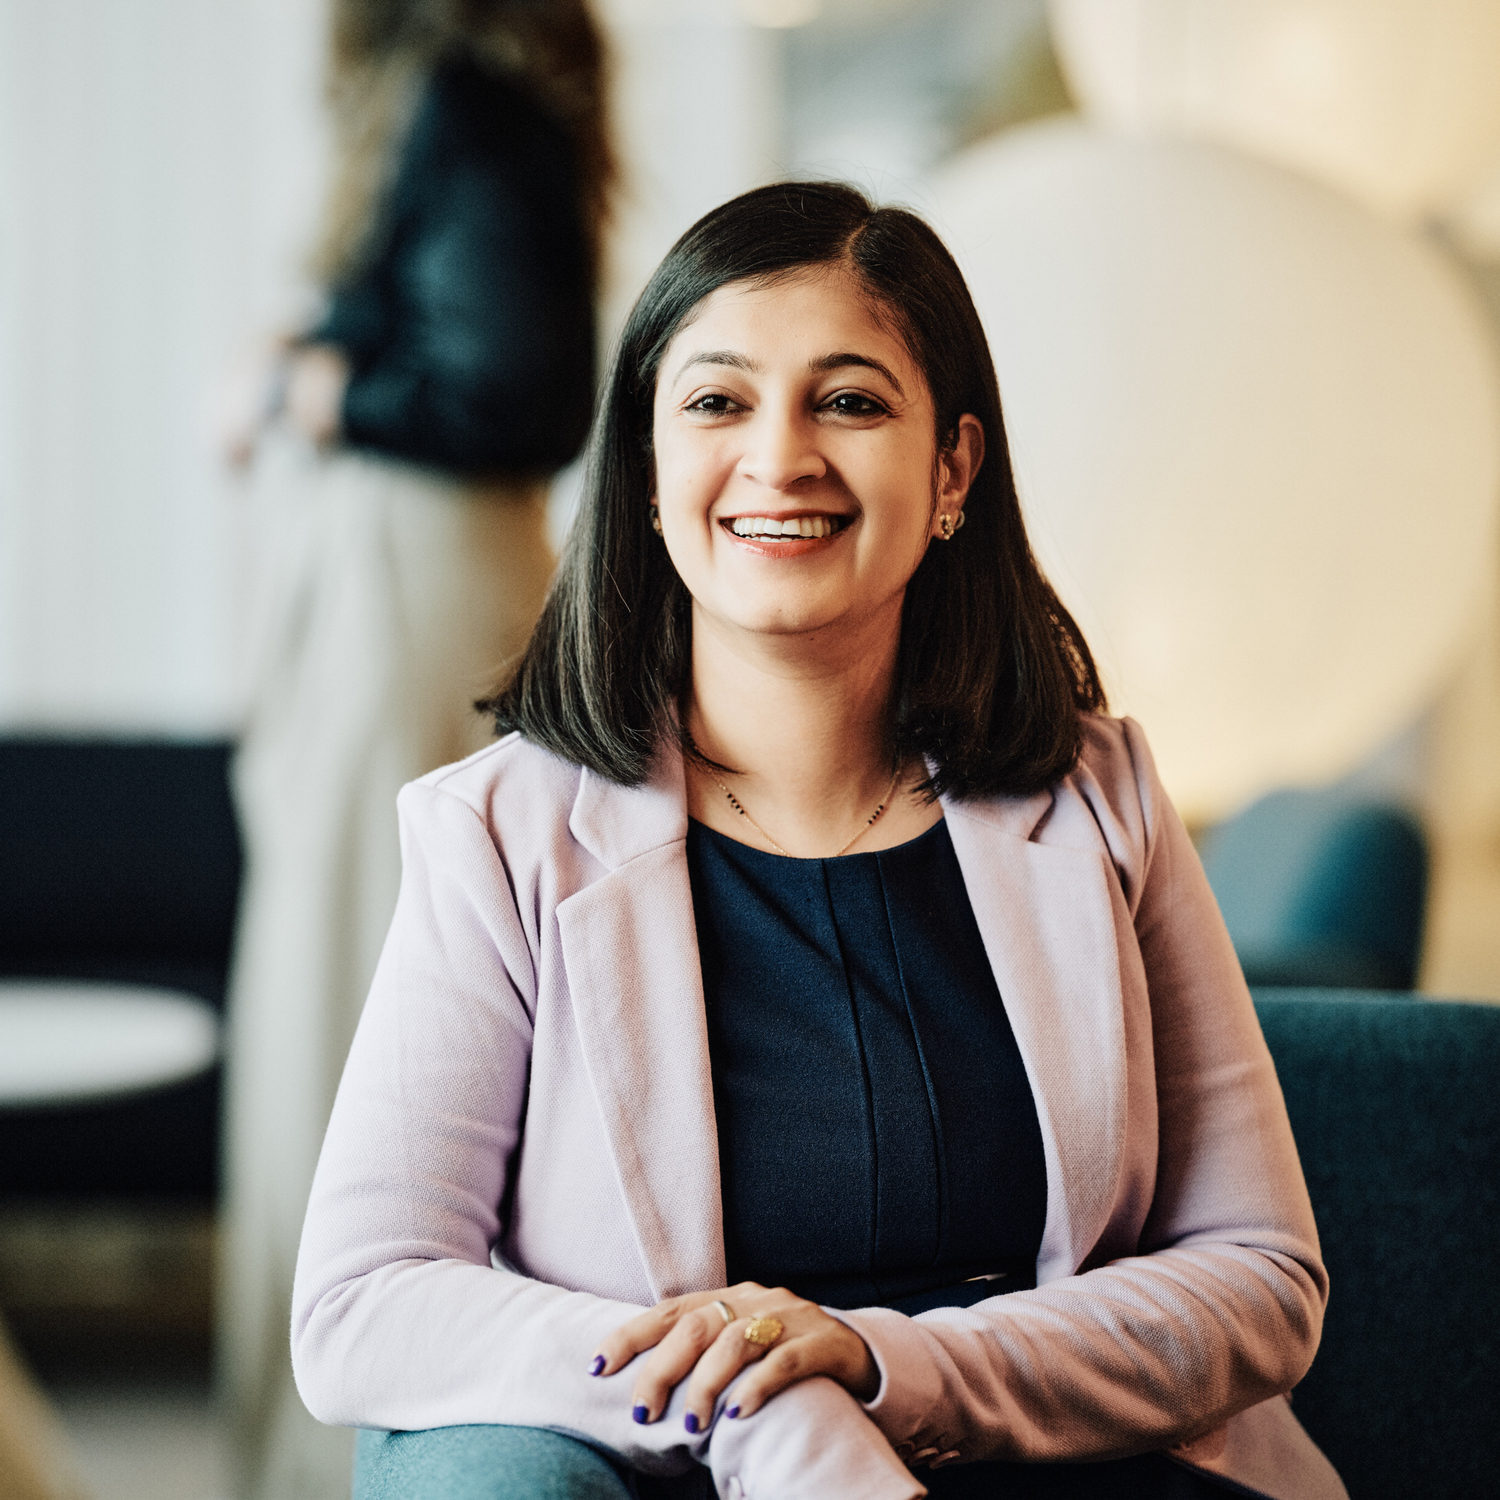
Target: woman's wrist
{"x":861,"y":1377}
{"x":316,"y":377}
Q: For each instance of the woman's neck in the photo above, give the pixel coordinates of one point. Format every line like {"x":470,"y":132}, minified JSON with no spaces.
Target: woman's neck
{"x":804,"y":729}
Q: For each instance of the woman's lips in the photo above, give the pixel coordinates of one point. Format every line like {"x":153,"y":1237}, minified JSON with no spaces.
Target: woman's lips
{"x":790,"y":526}
{"x":794,"y":536}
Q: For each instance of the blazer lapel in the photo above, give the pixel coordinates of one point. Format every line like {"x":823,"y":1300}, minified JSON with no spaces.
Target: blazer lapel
{"x":1046,"y":915}
{"x":630,"y":949}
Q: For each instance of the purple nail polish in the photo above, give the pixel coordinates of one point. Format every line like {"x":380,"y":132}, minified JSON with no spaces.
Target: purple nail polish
{"x":597,"y":1368}
{"x":732,"y":1413}
{"x":640,"y":1414}
{"x":691,"y":1422}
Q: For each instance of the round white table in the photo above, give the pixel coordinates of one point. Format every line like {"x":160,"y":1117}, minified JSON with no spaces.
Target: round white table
{"x":69,"y":1042}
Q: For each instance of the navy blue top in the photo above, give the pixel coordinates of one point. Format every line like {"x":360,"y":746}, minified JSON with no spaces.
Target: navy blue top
{"x":878,"y":1141}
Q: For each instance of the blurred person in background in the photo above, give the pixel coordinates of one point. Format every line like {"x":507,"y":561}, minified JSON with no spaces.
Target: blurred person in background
{"x":399,"y":453}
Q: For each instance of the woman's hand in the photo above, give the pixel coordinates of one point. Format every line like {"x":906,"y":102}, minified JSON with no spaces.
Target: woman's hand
{"x":278,"y":378}
{"x":692,"y":1340}
{"x":316,"y":377}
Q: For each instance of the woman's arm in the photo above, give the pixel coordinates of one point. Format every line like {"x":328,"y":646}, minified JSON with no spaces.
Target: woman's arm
{"x":281,"y":377}
{"x":399,"y":1319}
{"x":1224,"y":1305}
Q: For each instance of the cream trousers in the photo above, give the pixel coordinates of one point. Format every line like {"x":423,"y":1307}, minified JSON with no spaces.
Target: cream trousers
{"x":383,"y":601}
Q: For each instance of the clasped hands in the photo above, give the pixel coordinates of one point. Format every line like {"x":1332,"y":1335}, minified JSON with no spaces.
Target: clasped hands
{"x":690,"y":1340}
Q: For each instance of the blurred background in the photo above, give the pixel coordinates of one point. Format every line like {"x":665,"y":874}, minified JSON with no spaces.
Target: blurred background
{"x":1240,"y":265}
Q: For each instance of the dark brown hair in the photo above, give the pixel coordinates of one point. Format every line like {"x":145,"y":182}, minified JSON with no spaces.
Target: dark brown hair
{"x":380,"y":54}
{"x":991,"y":673}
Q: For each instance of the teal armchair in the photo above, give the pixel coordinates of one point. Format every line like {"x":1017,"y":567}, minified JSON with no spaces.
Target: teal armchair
{"x":1395,"y":1103}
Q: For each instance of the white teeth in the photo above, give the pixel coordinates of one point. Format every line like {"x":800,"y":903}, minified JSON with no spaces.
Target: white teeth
{"x":809,"y":526}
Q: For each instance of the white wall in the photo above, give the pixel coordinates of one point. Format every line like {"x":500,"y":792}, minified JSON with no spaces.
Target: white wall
{"x":157,"y":161}
{"x":698,"y":113}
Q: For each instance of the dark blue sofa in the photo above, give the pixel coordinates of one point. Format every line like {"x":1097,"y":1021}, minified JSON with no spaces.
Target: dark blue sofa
{"x":1395,"y":1102}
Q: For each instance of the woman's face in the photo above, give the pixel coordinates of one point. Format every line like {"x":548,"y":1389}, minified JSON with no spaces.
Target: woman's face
{"x":796,"y":461}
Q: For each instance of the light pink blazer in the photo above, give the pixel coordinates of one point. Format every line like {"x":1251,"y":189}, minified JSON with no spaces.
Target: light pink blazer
{"x":523,"y":1150}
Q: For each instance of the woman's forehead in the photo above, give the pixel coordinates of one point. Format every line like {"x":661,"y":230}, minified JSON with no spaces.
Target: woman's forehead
{"x":801,"y":318}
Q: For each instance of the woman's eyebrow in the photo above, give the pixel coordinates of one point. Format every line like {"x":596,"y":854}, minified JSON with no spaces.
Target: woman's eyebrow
{"x":842,"y":361}
{"x":728,"y":357}
{"x":845,"y":359}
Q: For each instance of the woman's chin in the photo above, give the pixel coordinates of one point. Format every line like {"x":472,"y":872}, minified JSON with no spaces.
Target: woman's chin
{"x":782,"y":621}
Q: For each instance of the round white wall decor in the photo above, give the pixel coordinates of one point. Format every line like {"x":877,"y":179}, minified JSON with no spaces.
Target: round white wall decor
{"x":1394,"y":101}
{"x":1255,"y":431}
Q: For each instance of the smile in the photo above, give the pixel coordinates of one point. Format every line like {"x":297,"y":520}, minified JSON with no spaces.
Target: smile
{"x":792,"y":526}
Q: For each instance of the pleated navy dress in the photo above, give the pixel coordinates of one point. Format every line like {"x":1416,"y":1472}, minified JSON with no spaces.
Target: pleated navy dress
{"x":878,"y":1140}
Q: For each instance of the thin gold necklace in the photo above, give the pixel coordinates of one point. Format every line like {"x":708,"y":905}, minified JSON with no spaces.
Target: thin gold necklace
{"x":869,"y":822}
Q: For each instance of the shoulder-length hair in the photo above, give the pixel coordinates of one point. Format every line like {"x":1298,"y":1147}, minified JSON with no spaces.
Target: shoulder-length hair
{"x":991,"y":673}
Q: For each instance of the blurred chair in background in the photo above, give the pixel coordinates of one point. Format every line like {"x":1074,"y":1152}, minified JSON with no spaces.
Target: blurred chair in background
{"x":1322,"y":888}
{"x":118,"y":883}
{"x":1397,"y":1118}
{"x":400,"y":507}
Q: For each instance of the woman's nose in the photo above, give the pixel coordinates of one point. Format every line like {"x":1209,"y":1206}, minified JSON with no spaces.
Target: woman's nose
{"x":782,"y":450}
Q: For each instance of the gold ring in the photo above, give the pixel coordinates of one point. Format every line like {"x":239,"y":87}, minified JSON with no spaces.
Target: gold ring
{"x":724,"y":1311}
{"x":763,"y":1332}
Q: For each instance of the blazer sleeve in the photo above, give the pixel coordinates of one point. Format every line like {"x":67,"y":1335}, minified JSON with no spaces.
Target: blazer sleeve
{"x":400,"y":1320}
{"x":1222,"y":1306}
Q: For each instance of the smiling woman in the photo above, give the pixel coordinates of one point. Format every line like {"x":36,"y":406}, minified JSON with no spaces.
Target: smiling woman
{"x":991,"y":670}
{"x":807,"y":1053}
{"x":773,"y":430}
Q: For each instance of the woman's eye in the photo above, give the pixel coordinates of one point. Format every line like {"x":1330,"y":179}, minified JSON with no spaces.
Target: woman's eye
{"x":852,"y":404}
{"x":715,"y":404}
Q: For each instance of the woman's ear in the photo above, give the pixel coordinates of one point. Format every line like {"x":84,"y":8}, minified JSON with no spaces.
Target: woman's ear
{"x":962,"y":461}
{"x":957,"y":466}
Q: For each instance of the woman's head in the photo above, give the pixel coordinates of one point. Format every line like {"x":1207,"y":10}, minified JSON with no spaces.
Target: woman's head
{"x":797,"y":399}
{"x":991,"y":670}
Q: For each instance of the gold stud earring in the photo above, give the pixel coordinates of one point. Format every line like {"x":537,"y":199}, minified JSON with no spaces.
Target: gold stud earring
{"x":947,"y":524}
{"x":656,"y":520}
